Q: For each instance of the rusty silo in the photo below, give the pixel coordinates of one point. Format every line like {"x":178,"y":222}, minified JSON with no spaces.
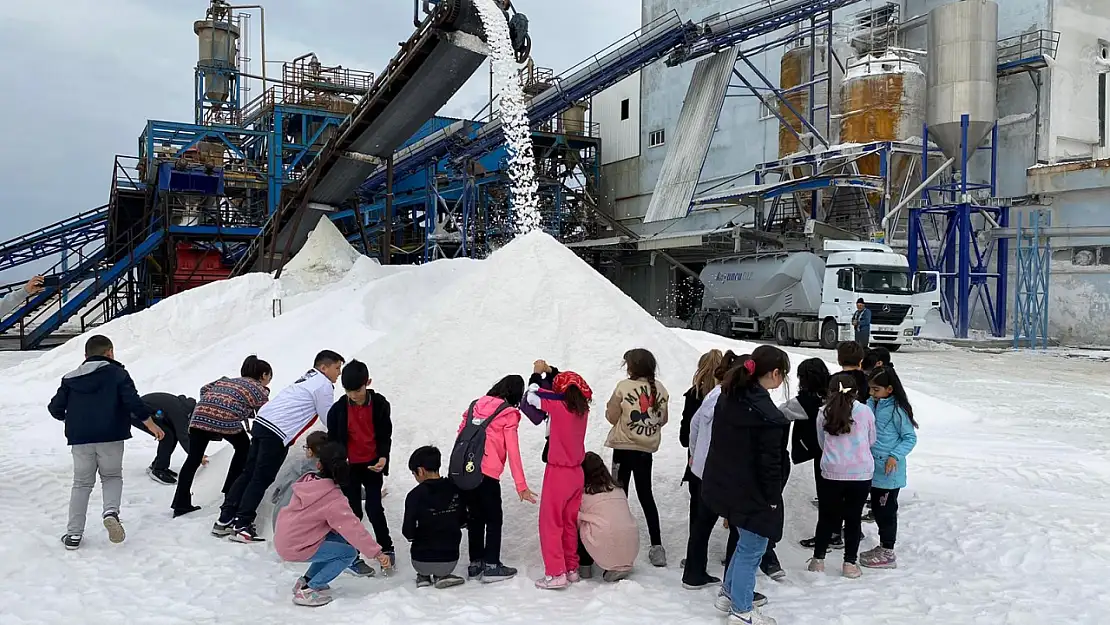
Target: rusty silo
{"x":883,"y":98}
{"x":794,"y":70}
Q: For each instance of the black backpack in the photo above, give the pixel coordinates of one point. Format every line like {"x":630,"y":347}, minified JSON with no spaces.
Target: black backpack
{"x":465,"y":469}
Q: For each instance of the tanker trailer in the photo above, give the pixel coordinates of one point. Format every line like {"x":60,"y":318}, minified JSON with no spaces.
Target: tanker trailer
{"x":800,"y":296}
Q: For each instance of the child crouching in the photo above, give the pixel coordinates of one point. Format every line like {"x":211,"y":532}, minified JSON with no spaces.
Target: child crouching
{"x":434,"y":517}
{"x":318,"y":526}
{"x":607,"y":532}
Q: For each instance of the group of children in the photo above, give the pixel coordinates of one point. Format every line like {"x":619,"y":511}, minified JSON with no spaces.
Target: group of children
{"x":857,"y":426}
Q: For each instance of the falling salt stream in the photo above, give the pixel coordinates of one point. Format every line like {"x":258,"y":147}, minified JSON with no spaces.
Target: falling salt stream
{"x":514,"y":117}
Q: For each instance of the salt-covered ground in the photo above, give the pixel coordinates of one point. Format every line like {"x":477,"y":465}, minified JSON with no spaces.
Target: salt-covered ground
{"x":1001,"y":524}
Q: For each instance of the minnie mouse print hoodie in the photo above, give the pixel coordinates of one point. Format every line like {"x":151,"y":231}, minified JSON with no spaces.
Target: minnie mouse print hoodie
{"x":636,"y":418}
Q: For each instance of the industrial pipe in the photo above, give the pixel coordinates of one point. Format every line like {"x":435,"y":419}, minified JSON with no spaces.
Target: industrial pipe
{"x":1079,"y":232}
{"x":913,"y":194}
{"x":262,"y":27}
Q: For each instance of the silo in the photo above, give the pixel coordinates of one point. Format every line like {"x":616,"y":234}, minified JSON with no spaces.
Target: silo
{"x":962,"y":73}
{"x":794,"y":70}
{"x":219,"y":45}
{"x":882,"y":98}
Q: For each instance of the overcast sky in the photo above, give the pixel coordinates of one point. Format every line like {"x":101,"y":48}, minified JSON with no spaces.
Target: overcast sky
{"x":82,"y":77}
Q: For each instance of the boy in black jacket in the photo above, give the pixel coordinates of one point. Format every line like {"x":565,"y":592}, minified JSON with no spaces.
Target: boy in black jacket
{"x":172,"y":414}
{"x":434,"y":518}
{"x":99,"y":404}
{"x":360,"y":422}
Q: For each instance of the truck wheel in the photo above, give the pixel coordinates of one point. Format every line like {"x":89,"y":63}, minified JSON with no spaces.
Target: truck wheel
{"x":782,"y":333}
{"x":894,"y":347}
{"x":830,"y":334}
{"x":724,"y":326}
{"x":709,"y":323}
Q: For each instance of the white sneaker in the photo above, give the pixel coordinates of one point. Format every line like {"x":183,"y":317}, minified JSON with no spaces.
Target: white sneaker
{"x":657,"y":555}
{"x":723,"y":602}
{"x":750,"y":618}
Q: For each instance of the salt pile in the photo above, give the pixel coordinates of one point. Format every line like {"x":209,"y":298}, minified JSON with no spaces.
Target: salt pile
{"x":514,"y":117}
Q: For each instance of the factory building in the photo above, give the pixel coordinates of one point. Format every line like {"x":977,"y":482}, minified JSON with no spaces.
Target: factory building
{"x":867,"y":68}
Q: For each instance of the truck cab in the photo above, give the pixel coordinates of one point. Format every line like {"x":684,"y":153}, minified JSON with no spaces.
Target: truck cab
{"x":878,"y":276}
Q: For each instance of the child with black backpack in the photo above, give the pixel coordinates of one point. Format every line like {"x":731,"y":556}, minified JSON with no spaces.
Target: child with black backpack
{"x":487,"y":439}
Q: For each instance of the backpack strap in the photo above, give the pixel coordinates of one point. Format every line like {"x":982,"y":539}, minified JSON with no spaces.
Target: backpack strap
{"x":486,"y":422}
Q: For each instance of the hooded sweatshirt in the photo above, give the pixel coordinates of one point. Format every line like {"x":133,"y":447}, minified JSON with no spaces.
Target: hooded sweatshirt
{"x":317,"y":508}
{"x":608,"y":530}
{"x":98,"y":403}
{"x":502,"y":443}
{"x":566,"y":431}
{"x":847,"y":457}
{"x":637,"y":421}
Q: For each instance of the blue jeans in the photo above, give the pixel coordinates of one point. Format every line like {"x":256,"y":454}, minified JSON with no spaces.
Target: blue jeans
{"x":334,"y":555}
{"x":740,"y":576}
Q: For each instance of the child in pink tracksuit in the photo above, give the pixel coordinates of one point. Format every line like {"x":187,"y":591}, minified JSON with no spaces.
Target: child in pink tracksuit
{"x":567,"y":406}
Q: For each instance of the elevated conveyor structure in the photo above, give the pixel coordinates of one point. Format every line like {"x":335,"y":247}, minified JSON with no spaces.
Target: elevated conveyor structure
{"x":432,"y":65}
{"x":67,"y":234}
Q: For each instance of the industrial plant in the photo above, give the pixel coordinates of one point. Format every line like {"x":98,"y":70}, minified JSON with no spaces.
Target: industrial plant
{"x":748,"y":168}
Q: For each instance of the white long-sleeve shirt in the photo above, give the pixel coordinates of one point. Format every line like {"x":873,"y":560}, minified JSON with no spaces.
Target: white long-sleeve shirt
{"x":296,"y":407}
{"x":701,"y":430}
{"x":12,"y":300}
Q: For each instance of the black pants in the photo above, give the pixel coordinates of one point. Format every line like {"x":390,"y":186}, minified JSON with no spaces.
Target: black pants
{"x":198,"y":444}
{"x":264,"y":460}
{"x":362,"y":476}
{"x":584,"y":557}
{"x":484,"y":521}
{"x":629,"y":466}
{"x":819,"y":481}
{"x":841,"y":502}
{"x":172,"y":439}
{"x":884,"y":505}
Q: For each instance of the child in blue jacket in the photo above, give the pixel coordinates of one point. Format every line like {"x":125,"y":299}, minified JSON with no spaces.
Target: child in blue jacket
{"x":895,"y":439}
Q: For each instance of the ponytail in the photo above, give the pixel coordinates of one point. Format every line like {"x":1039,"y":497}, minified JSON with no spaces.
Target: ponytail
{"x":747,"y":370}
{"x":840,"y":402}
{"x":255,"y":369}
{"x":641,"y":364}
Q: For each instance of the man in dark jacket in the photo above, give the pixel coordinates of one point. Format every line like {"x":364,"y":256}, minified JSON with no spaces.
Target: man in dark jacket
{"x":99,"y":404}
{"x":360,"y":421}
{"x":171,"y":413}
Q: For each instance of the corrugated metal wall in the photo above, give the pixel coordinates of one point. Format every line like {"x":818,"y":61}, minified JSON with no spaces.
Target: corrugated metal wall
{"x":620,"y":138}
{"x":689,"y":141}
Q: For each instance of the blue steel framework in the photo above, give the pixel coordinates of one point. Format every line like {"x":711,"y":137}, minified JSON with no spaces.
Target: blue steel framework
{"x":961,"y":257}
{"x":1034,"y":261}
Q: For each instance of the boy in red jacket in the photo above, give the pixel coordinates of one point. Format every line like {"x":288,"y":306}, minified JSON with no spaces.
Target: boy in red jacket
{"x":360,"y":422}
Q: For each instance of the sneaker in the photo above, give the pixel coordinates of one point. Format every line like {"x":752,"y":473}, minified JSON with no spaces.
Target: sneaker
{"x":220,"y":530}
{"x":71,"y":541}
{"x":586,"y":571}
{"x":690,"y":582}
{"x":247,"y":534}
{"x":775,"y":572}
{"x":657,"y":555}
{"x":837,"y":542}
{"x":723,"y":602}
{"x":175,"y":474}
{"x":869,"y":516}
{"x":310,"y":598}
{"x":750,"y":618}
{"x":816,"y":566}
{"x":183,"y":511}
{"x":423,"y":581}
{"x":302,"y":582}
{"x":682,"y":563}
{"x":494,"y":573}
{"x":475,"y":570}
{"x":878,"y":558}
{"x":851,"y":570}
{"x":359,"y":568}
{"x":613,"y":577}
{"x":573,"y":577}
{"x":448,"y":581}
{"x":162,"y":476}
{"x":548,"y":582}
{"x":114,"y":527}
{"x":758,"y":600}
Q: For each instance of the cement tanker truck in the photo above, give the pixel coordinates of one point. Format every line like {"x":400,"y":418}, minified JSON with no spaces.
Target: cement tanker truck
{"x":801,"y":296}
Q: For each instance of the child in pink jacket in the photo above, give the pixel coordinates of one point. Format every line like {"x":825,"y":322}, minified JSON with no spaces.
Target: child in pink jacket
{"x":483,"y":504}
{"x":607,"y":532}
{"x":318,"y":526}
{"x":567,"y":406}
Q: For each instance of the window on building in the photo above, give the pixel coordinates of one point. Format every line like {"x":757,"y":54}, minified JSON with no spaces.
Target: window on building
{"x":765,"y":111}
{"x":657,"y":138}
{"x":625,"y":106}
